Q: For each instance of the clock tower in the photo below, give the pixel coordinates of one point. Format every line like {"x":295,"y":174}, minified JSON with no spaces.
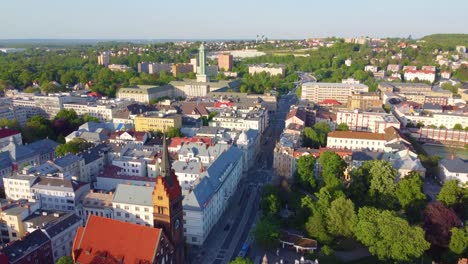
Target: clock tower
{"x":167,"y":206}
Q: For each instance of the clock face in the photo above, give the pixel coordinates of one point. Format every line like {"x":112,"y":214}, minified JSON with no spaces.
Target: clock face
{"x":177,"y":224}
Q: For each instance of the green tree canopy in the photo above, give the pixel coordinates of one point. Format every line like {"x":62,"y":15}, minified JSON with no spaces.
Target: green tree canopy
{"x":89,"y":118}
{"x":388,"y":236}
{"x":459,"y":240}
{"x":409,"y":190}
{"x":450,"y":194}
{"x":305,"y":172}
{"x":332,"y":168}
{"x":65,"y":260}
{"x":311,"y":138}
{"x":74,"y":146}
{"x":240,"y":260}
{"x":174,"y":132}
{"x":37,"y":127}
{"x":266,"y":233}
{"x":342,"y":127}
{"x":341,"y":217}
{"x":270,"y":200}
{"x":316,"y":227}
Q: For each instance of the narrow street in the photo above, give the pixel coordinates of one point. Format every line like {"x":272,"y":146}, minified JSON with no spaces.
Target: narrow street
{"x":232,"y":230}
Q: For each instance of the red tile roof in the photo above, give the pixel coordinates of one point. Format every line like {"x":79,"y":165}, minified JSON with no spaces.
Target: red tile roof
{"x":329,"y":102}
{"x":7,"y":132}
{"x":356,"y":135}
{"x":106,"y":240}
{"x":177,"y":141}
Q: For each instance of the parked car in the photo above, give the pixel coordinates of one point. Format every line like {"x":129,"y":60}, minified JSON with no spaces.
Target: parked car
{"x":244,"y":250}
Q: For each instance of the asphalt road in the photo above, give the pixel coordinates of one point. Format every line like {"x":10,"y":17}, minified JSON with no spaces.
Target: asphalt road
{"x":223,"y":244}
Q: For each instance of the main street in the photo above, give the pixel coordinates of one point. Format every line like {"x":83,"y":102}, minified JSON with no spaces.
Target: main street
{"x":232,"y":230}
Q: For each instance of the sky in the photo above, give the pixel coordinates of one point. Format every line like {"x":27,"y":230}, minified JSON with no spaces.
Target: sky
{"x":221,"y":19}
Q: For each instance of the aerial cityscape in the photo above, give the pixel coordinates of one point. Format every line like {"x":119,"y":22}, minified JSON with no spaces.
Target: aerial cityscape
{"x":240,"y":133}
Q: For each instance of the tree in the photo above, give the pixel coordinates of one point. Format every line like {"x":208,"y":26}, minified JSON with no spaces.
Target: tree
{"x":270,"y":200}
{"x":5,"y":85}
{"x":37,"y":127}
{"x":383,"y":177}
{"x":322,"y":130}
{"x":332,"y":168}
{"x":69,"y":115}
{"x":74,"y":146}
{"x":342,"y":127}
{"x":409,"y":190}
{"x":438,"y":220}
{"x":65,"y":260}
{"x":316,"y":227}
{"x":240,"y":260}
{"x":174,"y":132}
{"x":450,"y":194}
{"x":9,"y":123}
{"x":388,"y":236}
{"x":341,"y":217}
{"x":459,"y":240}
{"x":266,"y":233}
{"x":88,"y":118}
{"x":311,"y":138}
{"x":457,"y":127}
{"x":305,"y":172}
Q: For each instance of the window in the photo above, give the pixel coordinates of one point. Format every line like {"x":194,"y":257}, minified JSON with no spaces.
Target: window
{"x":137,"y":208}
{"x":127,"y":215}
{"x":119,"y":214}
{"x":146,"y":209}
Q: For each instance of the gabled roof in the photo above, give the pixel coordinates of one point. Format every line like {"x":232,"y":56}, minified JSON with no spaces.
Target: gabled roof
{"x":106,"y":240}
{"x":455,"y":165}
{"x":356,"y":135}
{"x":297,"y":112}
{"x":29,"y":243}
{"x":7,"y":132}
{"x":18,"y":152}
{"x":43,"y":146}
{"x":211,"y":180}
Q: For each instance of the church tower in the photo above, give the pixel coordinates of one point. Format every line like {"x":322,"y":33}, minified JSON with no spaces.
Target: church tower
{"x":201,"y":69}
{"x":167,"y":206}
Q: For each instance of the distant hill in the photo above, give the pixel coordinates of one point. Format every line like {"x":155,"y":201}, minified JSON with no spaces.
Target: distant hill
{"x":447,"y":40}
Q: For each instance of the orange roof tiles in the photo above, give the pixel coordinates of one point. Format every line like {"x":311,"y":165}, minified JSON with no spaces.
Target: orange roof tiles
{"x":106,"y":240}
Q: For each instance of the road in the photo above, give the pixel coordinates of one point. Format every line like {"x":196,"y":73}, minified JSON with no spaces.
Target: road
{"x":233,"y":229}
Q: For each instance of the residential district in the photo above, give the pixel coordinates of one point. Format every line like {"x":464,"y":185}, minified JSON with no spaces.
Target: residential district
{"x":238,"y":154}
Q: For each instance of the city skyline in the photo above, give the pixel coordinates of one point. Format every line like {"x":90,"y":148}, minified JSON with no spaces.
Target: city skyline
{"x":214,"y":20}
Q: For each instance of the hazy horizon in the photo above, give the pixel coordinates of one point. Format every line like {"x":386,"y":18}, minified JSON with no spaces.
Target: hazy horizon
{"x":242,"y":20}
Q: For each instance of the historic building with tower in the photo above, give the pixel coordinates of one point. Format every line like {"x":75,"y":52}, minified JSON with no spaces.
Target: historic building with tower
{"x":167,"y":206}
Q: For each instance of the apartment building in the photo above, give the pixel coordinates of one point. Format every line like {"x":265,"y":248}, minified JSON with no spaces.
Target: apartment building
{"x":204,"y":203}
{"x":367,"y":121}
{"x":317,"y":92}
{"x":157,"y":122}
{"x":268,"y":68}
{"x":144,"y":93}
{"x":58,"y":193}
{"x":133,"y":204}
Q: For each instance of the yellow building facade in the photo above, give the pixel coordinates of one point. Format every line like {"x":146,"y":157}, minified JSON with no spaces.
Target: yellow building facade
{"x":157,"y":123}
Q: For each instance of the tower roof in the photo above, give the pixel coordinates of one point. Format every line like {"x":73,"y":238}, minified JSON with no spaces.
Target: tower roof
{"x":166,"y":170}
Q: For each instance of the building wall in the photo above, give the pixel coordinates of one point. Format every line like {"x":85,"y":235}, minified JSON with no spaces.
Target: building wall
{"x":17,"y":189}
{"x":225,"y":62}
{"x":270,"y":70}
{"x":317,"y":92}
{"x":154,"y":123}
{"x":137,"y":214}
{"x":355,"y":143}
